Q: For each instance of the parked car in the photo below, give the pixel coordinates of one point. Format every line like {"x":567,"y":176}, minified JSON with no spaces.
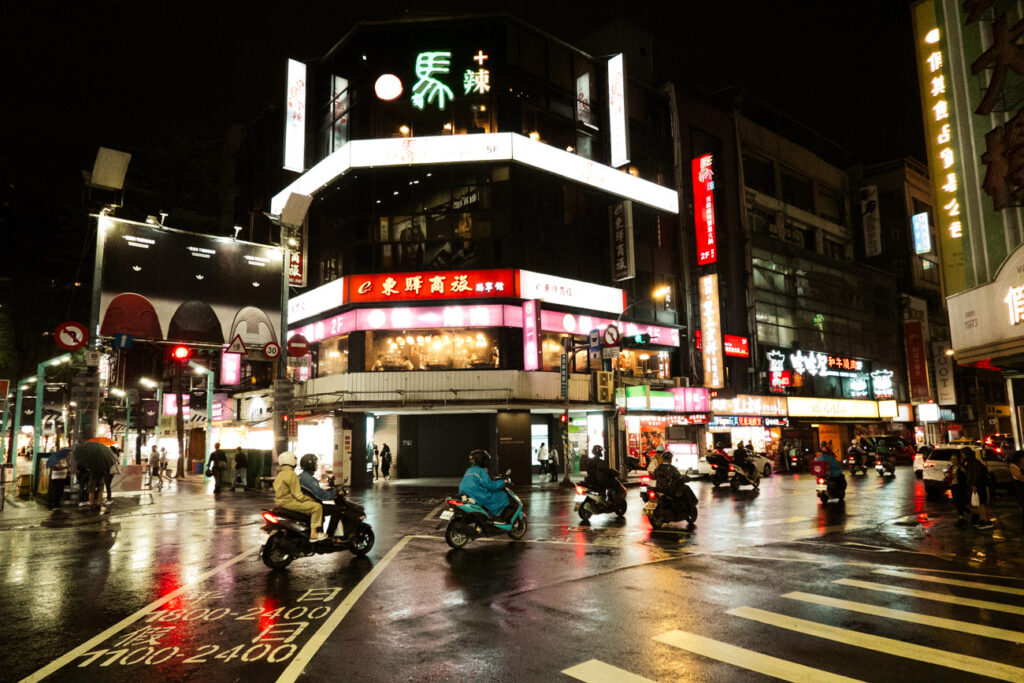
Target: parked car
{"x":883,"y":445}
{"x":937,"y":461}
{"x":1000,"y":443}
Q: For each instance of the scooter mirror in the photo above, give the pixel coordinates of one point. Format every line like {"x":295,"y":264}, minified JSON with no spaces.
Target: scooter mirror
{"x":508,"y":472}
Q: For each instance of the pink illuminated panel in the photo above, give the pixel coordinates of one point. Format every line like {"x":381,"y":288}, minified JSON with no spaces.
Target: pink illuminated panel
{"x":691,"y":399}
{"x":325,"y":329}
{"x":531,"y":335}
{"x":171,"y":405}
{"x":570,"y":323}
{"x":230,"y":368}
{"x":429,"y":317}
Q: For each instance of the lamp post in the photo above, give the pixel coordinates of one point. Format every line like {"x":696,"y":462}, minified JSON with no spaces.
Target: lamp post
{"x":659,"y":293}
{"x":121,"y":393}
{"x":203,"y":370}
{"x":38,"y":424}
{"x":16,"y":426}
{"x":150,"y":384}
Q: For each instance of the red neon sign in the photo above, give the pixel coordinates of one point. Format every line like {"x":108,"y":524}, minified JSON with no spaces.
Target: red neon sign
{"x":736,"y":346}
{"x":704,"y":209}
{"x":431,"y":285}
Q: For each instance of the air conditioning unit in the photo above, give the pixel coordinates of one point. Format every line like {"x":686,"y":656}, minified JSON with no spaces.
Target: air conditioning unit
{"x":681,"y":381}
{"x":605,"y":389}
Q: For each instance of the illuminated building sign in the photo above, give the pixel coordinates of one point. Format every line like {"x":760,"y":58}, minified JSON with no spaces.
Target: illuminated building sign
{"x":477,"y":80}
{"x":618,"y":118}
{"x":1015,"y":300}
{"x":823,"y":365}
{"x":928,"y":412}
{"x":442,"y":284}
{"x":570,"y":323}
{"x":691,"y":399}
{"x":736,"y":346}
{"x":778,"y":380}
{"x":703,"y":178}
{"x":478,"y":147}
{"x":750,"y":405}
{"x":729,"y":421}
{"x":832,"y":408}
{"x":881,"y":382}
{"x":922,"y":233}
{"x":432,"y":90}
{"x":936,"y":103}
{"x":295,"y":126}
{"x":711,"y":332}
{"x":531,"y":335}
{"x":560,"y":290}
{"x":318,"y":300}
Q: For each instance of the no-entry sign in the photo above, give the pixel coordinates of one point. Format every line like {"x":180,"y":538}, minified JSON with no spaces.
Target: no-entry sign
{"x":71,"y":335}
{"x":298,"y":346}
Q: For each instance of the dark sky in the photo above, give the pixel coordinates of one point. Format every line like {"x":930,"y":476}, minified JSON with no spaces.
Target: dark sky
{"x":130,"y":75}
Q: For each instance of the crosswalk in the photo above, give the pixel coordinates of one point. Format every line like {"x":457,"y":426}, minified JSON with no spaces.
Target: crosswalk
{"x":909,"y":587}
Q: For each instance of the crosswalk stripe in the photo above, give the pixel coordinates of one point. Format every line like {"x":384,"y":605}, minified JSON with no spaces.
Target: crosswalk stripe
{"x":595,"y":671}
{"x":897,"y":648}
{"x":912,"y":617}
{"x":951,"y":582}
{"x":748,"y":659}
{"x":929,"y":595}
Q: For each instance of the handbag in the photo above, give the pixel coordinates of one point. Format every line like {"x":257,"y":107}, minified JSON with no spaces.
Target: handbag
{"x":975,"y":500}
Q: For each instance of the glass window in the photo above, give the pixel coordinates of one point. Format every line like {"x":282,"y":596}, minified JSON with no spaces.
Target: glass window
{"x":333,"y":357}
{"x":835,"y":250}
{"x":650,"y":363}
{"x":758,"y":174}
{"x":929,"y":271}
{"x":830,"y":206}
{"x":441,"y":349}
{"x":797,"y":190}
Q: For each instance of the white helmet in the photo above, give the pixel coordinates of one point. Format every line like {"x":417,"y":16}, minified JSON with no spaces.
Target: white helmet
{"x":286,"y":458}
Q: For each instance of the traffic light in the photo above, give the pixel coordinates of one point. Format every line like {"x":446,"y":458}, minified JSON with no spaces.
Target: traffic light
{"x":632,"y":341}
{"x":563,"y":418}
{"x":181,"y":353}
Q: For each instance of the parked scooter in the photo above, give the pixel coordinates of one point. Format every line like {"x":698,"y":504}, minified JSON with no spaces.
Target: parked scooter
{"x":468,"y":520}
{"x":592,"y":501}
{"x":288,"y":533}
{"x":663,"y":508}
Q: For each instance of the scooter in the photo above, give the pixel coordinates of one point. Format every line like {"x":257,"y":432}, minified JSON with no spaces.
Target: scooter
{"x":743,"y":476}
{"x":856,"y":470}
{"x":722,"y":469}
{"x":796,"y":462}
{"x":593,"y":501}
{"x":663,"y":508}
{"x":288,"y":533}
{"x":885,"y":465}
{"x":468,"y":520}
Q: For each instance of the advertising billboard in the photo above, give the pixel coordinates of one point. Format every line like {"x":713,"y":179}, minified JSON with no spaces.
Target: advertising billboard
{"x":711,"y":332}
{"x":160,"y":284}
{"x":922,"y":233}
{"x":704,"y":208}
{"x":295,"y":127}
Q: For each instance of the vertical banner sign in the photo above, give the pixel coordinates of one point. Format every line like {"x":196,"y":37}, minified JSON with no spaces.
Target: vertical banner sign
{"x":917,"y":361}
{"x":563,"y":369}
{"x":295,"y":123}
{"x":945,"y":387}
{"x":584,"y":112}
{"x":531,"y":335}
{"x":711,"y":332}
{"x":922,"y":233}
{"x":704,"y":209}
{"x":618,"y":121}
{"x":870,"y":220}
{"x":935,"y":79}
{"x":621,"y":218}
{"x":297,"y":254}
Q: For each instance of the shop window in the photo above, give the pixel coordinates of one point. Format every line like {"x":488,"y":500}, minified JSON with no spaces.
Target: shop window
{"x":440,"y":349}
{"x":333,"y":357}
{"x":647,"y":363}
{"x":835,"y":250}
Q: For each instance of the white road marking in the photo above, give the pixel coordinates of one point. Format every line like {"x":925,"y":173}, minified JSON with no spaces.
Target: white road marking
{"x":61,"y":661}
{"x":748,"y":659}
{"x":975,"y":574}
{"x":316,"y":641}
{"x":951,"y":582}
{"x":594,"y":671}
{"x":889,"y":646}
{"x":430,"y":515}
{"x":912,"y":617}
{"x":928,"y":595}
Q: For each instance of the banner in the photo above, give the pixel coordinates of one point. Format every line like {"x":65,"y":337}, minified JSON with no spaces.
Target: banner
{"x":917,"y":361}
{"x":704,"y":208}
{"x":620,"y":217}
{"x":945,"y":386}
{"x":870,"y":220}
{"x":711,"y":332}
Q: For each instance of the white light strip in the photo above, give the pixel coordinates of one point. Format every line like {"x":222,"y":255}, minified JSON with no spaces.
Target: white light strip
{"x":483,"y":147}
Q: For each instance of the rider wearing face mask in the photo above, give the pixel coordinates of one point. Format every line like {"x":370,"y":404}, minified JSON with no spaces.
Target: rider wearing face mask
{"x":311,"y":487}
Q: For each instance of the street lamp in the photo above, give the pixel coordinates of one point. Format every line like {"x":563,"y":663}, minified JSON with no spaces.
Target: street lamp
{"x":38,"y":424}
{"x":121,"y":393}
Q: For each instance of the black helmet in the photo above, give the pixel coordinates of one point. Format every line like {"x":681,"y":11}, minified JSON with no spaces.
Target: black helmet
{"x":308,"y":463}
{"x":480,"y":458}
{"x":597,"y":451}
{"x":666,"y":456}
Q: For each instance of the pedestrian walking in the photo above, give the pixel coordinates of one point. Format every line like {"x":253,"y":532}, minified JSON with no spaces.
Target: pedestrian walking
{"x":241,"y":469}
{"x":376,"y":462}
{"x":542,"y":458}
{"x":385,"y":462}
{"x":218,"y":463}
{"x":165,"y":473}
{"x":978,"y":481}
{"x":1017,"y":473}
{"x":553,"y":463}
{"x":956,"y":478}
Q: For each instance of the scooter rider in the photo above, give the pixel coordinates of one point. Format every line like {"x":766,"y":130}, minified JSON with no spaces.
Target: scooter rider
{"x":601,"y":477}
{"x":288,"y":495}
{"x":835,"y":467}
{"x":669,"y":479}
{"x":857,"y":453}
{"x":311,"y":487}
{"x":741,"y":458}
{"x":478,"y":484}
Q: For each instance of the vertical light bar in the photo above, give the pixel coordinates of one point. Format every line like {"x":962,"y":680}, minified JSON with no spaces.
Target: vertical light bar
{"x":295,"y":122}
{"x":531,"y":335}
{"x":711,"y":332}
{"x":618,"y":124}
{"x":703,"y":178}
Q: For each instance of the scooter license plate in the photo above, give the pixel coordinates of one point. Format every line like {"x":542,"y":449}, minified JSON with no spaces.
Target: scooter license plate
{"x":447,"y":514}
{"x":579,"y":499}
{"x":822,"y":487}
{"x":650,"y":506}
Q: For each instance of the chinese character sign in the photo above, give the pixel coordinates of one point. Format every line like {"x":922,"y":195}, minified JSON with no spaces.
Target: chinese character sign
{"x":711,"y":332}
{"x":704,"y":208}
{"x":428,"y":89}
{"x":531,"y":335}
{"x":620,"y":216}
{"x":431,"y":285}
{"x":295,"y":126}
{"x":944,"y":166}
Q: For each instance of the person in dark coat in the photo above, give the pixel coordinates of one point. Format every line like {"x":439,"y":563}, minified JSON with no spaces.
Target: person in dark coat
{"x":385,"y":462}
{"x":218,"y":463}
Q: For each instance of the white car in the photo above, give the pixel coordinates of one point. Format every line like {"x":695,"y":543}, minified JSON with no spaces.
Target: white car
{"x":937,"y":461}
{"x":760,"y":460}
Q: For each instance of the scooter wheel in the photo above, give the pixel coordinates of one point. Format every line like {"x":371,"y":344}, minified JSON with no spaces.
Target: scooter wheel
{"x":456,"y":535}
{"x":620,"y":510}
{"x":735,"y":484}
{"x":823,"y":498}
{"x":657,"y":521}
{"x":518,"y":529}
{"x":767,"y":471}
{"x":691,"y":517}
{"x":274,"y":554}
{"x":362,"y":541}
{"x":586,"y":510}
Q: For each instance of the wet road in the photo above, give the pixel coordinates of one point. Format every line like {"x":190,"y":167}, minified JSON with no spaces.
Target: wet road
{"x":770,"y":584}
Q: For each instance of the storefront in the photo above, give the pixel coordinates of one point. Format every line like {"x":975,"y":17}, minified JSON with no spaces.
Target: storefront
{"x":834,"y":421}
{"x":754,"y":420}
{"x":674,"y":418}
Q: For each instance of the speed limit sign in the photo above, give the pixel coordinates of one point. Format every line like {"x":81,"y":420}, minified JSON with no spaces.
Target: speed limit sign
{"x":272,"y":350}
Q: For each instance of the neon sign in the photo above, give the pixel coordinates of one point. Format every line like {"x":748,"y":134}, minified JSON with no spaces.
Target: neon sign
{"x":428,"y":88}
{"x":1015,"y":300}
{"x":704,"y":208}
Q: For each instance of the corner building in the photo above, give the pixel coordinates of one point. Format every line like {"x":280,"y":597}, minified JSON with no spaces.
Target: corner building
{"x":479,"y":194}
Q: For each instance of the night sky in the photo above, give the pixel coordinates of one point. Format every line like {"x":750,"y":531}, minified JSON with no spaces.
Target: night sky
{"x":132,"y":75}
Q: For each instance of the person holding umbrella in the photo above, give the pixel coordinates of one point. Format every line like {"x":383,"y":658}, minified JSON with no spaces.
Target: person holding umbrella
{"x":96,"y":459}
{"x":58,"y":466}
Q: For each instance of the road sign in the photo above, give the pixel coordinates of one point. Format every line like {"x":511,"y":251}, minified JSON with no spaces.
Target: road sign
{"x":298,"y":346}
{"x":611,"y":335}
{"x":92,"y":359}
{"x":236,"y":346}
{"x":564,"y":368}
{"x":595,"y":344}
{"x":123,"y":341}
{"x":272,"y":350}
{"x":301,"y":362}
{"x":610,"y":352}
{"x":71,"y":335}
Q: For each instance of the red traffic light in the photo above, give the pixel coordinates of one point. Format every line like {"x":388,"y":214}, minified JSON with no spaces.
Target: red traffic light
{"x":181,"y":353}
{"x":563,"y":418}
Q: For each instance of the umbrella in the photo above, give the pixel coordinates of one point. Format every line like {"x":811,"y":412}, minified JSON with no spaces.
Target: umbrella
{"x":57,"y":457}
{"x":103,"y":440}
{"x":94,"y":457}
